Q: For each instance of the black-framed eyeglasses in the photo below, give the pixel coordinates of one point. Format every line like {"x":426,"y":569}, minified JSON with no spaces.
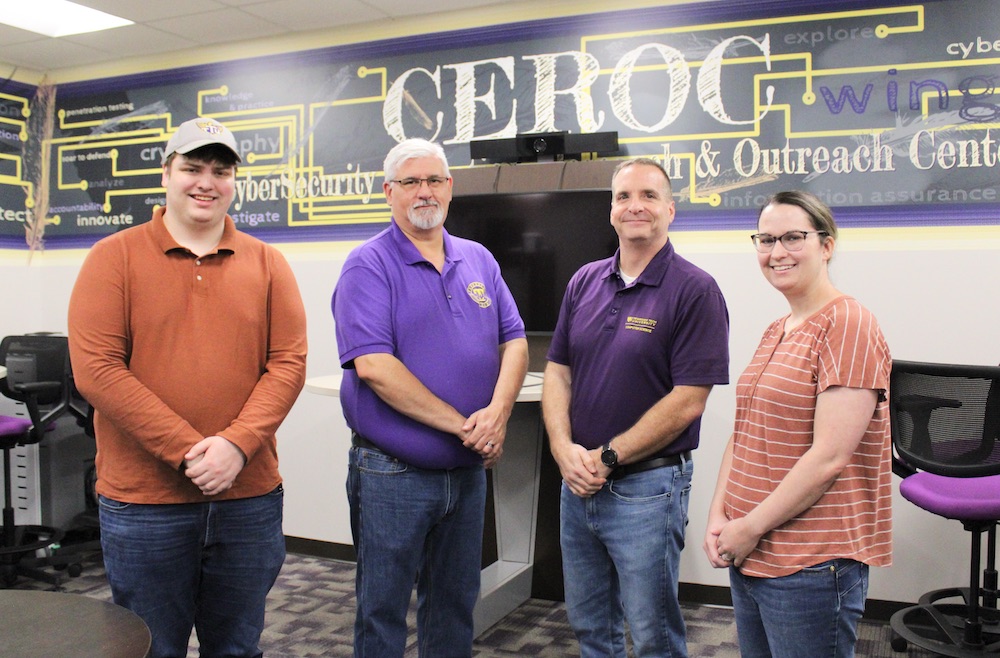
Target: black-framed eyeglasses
{"x":791,"y":240}
{"x":433,"y":182}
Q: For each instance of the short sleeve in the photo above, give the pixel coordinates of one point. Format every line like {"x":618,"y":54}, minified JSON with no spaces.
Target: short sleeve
{"x":362,"y":312}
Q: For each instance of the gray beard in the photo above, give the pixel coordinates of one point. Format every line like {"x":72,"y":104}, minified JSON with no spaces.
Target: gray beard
{"x":426,"y":217}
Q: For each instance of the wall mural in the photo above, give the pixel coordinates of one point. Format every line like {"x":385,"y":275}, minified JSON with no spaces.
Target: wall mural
{"x":886,"y":113}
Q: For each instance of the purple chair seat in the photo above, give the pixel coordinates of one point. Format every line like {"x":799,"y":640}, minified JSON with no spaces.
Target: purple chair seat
{"x":13,"y":426}
{"x":962,"y":499}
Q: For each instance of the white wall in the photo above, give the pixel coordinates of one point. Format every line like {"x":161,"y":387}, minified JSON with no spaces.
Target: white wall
{"x":934,"y":292}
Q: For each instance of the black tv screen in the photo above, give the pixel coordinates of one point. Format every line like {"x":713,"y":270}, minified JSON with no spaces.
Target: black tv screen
{"x":540,"y":240}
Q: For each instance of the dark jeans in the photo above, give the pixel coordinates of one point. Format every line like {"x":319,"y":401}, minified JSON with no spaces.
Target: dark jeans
{"x":203,"y":565}
{"x":621,"y":552}
{"x":412,"y":524}
{"x":812,"y":613}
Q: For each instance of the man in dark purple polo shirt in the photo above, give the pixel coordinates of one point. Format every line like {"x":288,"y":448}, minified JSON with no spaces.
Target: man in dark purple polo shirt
{"x":434,"y":354}
{"x":641,"y":339}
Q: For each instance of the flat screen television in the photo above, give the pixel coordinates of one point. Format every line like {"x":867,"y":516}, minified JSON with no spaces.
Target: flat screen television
{"x":540,"y":240}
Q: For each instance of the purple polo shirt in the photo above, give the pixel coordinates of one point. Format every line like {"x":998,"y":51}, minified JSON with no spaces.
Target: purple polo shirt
{"x":445,"y":327}
{"x":627,"y":347}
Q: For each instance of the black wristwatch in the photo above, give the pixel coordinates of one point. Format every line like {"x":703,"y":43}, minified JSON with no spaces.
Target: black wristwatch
{"x":608,"y":456}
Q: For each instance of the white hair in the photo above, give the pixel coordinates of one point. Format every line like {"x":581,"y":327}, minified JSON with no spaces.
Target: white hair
{"x":408,"y":150}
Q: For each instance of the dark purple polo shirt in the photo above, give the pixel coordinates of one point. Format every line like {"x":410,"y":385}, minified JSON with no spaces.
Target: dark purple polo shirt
{"x":445,"y":327}
{"x":628,"y":347}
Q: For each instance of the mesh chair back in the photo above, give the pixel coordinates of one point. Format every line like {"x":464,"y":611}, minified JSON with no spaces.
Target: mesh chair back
{"x":32,"y":359}
{"x":946,"y":418}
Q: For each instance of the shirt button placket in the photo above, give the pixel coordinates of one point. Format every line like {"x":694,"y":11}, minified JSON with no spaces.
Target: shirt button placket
{"x":616,"y":307}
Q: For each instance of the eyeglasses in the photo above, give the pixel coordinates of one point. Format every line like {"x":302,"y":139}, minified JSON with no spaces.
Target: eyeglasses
{"x":791,"y":241}
{"x":433,"y":182}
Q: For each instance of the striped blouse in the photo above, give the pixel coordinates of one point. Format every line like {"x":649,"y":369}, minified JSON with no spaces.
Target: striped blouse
{"x":840,"y":345}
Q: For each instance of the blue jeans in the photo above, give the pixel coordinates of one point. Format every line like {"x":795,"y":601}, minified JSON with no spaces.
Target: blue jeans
{"x":621,"y":552}
{"x":203,"y":565}
{"x":411,"y":524}
{"x":812,"y":613}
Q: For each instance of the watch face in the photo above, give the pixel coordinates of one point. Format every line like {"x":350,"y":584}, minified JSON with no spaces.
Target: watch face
{"x":609,"y":457}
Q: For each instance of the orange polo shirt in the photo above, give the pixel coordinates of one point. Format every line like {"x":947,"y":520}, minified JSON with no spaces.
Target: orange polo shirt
{"x":170,"y":348}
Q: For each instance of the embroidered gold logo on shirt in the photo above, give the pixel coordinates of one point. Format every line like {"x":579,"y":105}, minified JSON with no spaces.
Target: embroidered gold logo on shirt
{"x":640,"y":324}
{"x":477,"y":291}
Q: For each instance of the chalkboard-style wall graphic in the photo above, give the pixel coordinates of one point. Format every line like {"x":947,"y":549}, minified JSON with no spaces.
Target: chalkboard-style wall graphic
{"x":889,"y":113}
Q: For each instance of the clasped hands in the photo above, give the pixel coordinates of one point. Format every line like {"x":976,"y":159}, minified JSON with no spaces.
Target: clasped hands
{"x":213,"y":464}
{"x":484,"y":432}
{"x":582,"y":470}
{"x":729,"y":543}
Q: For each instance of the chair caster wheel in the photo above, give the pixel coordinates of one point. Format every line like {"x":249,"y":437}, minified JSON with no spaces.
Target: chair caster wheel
{"x":74,"y":570}
{"x":898,"y":643}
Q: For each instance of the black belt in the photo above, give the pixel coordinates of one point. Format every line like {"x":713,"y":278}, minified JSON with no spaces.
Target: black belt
{"x":650,"y":464}
{"x":359,"y":441}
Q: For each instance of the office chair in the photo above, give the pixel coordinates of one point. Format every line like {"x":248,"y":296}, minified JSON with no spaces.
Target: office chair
{"x":37,"y":376}
{"x":945,"y":430}
{"x":82,"y":537}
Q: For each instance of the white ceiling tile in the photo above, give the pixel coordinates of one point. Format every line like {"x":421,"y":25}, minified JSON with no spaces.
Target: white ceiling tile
{"x":151,"y":10}
{"x":397,"y":8}
{"x":241,"y":3}
{"x":302,"y":15}
{"x":135,"y":39}
{"x":12,"y":36}
{"x":220,"y":26}
{"x":166,"y":25}
{"x":52,"y":53}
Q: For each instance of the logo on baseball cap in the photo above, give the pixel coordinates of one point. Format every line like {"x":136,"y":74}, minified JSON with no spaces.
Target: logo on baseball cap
{"x":199,"y":132}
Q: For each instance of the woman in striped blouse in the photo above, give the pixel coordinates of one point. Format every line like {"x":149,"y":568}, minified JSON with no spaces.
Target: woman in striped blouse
{"x":802,"y":506}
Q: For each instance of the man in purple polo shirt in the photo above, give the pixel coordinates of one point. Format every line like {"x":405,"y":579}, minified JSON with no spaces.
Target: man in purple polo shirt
{"x":434,"y":354}
{"x":641,"y":339}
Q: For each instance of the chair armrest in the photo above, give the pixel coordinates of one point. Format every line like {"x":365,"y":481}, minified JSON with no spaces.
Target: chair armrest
{"x":41,"y":421}
{"x":34,"y":388}
{"x":926,"y":403}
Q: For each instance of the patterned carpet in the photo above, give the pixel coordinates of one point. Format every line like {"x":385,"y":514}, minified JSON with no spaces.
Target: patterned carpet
{"x":311,"y":613}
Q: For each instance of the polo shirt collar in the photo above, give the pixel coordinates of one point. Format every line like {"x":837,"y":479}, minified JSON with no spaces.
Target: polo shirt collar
{"x":655,"y":270}
{"x":411,"y":255}
{"x":166,"y":242}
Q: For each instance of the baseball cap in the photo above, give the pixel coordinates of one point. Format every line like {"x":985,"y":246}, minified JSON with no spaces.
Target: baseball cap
{"x":199,"y":132}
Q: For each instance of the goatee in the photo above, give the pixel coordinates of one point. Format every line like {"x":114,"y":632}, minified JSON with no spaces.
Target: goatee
{"x":426,"y":217}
